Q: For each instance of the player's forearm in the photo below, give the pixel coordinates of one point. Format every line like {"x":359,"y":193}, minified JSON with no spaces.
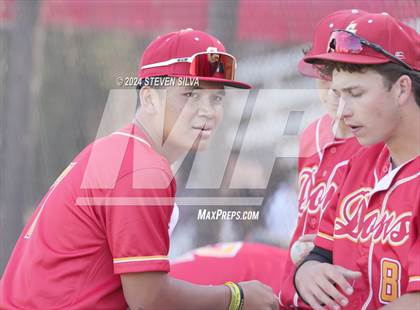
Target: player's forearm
{"x":407,"y":301}
{"x":184,"y":295}
{"x":157,"y":290}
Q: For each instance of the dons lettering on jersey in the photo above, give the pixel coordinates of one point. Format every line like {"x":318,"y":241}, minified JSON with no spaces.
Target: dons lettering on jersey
{"x":306,"y":181}
{"x":385,"y":227}
{"x":314,"y":196}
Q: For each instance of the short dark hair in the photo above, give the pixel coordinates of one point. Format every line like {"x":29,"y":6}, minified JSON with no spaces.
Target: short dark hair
{"x":143,"y":82}
{"x":390,"y":72}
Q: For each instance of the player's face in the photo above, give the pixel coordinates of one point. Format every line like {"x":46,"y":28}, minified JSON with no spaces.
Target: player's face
{"x":328,"y":98}
{"x":369,"y":106}
{"x":192,"y":115}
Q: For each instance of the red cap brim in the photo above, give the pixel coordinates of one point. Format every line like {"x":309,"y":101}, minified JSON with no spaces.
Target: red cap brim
{"x":308,"y":70}
{"x":347,"y":58}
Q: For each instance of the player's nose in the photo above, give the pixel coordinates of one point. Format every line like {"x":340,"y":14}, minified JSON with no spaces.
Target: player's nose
{"x":206,"y":107}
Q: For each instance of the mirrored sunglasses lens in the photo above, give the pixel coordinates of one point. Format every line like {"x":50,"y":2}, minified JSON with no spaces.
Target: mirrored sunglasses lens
{"x":213,"y":65}
{"x":343,"y":42}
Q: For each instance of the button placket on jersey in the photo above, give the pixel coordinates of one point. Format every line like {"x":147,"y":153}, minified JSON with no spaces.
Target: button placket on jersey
{"x":329,"y":149}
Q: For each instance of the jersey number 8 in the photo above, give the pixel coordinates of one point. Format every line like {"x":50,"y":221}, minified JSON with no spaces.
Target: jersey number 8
{"x":390,"y":280}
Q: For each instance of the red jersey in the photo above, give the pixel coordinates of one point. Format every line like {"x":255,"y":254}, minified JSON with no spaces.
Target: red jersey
{"x":322,"y":164}
{"x":107,"y":214}
{"x":237,"y":261}
{"x":375,"y":229}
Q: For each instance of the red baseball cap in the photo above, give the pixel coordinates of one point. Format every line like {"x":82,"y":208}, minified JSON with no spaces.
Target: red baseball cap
{"x":399,"y":40}
{"x":336,"y":20}
{"x":175,"y":54}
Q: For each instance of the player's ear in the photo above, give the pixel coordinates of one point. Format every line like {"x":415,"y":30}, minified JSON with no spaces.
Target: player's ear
{"x":150,"y":100}
{"x":403,"y":89}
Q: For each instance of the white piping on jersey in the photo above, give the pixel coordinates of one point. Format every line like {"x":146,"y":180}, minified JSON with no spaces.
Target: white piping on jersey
{"x":174,"y":219}
{"x":336,"y":167}
{"x":132,"y":136}
{"x":280,"y":301}
{"x":376,"y":176}
{"x":139,"y":259}
{"x":318,"y":146}
{"x":304,"y":224}
{"x":296,"y":300}
{"x":369,"y":299}
{"x":31,"y":229}
{"x":398,"y":183}
{"x":385,"y":182}
{"x":28,"y":233}
{"x":384,"y":203}
{"x":335,"y":142}
{"x":340,"y":164}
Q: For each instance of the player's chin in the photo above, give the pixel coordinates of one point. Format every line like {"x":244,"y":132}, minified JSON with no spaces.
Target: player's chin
{"x":202,"y":141}
{"x":201,"y":144}
{"x":366,"y":140}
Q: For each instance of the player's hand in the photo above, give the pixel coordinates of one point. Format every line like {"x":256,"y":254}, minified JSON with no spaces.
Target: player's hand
{"x":301,"y":248}
{"x":258,"y":296}
{"x":315,"y":283}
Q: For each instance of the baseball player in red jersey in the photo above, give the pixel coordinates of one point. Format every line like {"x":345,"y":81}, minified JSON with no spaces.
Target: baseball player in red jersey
{"x":368,"y":243}
{"x":233,"y":261}
{"x":99,"y":238}
{"x":325,"y":148}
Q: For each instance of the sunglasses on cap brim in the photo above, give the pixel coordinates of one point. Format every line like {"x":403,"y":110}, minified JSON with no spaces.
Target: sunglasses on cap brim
{"x":346,"y":42}
{"x":206,"y":64}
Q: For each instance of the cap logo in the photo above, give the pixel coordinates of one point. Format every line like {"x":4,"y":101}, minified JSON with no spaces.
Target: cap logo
{"x":212,"y":49}
{"x":352,"y":27}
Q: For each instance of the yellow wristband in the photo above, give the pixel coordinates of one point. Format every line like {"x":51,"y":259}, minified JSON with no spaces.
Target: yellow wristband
{"x":232,"y":300}
{"x":235,"y":300}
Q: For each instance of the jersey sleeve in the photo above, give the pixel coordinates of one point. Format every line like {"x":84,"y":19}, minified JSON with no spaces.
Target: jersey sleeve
{"x":307,"y":144}
{"x":137,"y":219}
{"x":414,"y":259}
